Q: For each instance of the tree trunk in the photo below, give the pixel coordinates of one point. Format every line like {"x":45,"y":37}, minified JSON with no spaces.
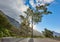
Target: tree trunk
{"x":32,"y":27}
{"x":27,"y":25}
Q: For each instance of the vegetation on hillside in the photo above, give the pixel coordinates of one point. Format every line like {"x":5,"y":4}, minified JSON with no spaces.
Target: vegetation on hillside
{"x":6,"y":28}
{"x":47,"y":33}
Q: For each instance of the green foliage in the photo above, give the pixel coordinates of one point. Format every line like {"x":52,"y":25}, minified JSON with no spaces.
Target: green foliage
{"x":4,"y":22}
{"x":24,"y":29}
{"x":36,"y":15}
{"x":47,"y":33}
{"x":6,"y":28}
{"x":7,"y":33}
{"x":1,"y":34}
{"x":4,"y":32}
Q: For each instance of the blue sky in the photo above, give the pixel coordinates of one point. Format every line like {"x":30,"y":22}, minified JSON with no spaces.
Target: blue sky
{"x":52,"y":21}
{"x":14,"y":8}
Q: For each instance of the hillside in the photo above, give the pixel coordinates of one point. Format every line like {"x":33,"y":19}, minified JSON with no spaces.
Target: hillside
{"x":4,"y":21}
{"x":11,"y":20}
{"x":56,"y":34}
{"x":36,"y":33}
{"x":7,"y":27}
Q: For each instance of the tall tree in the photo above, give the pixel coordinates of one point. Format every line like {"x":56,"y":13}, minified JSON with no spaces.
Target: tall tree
{"x":24,"y":25}
{"x":35,"y":16}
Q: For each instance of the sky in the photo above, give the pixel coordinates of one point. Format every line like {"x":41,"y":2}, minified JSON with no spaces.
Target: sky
{"x":14,"y":8}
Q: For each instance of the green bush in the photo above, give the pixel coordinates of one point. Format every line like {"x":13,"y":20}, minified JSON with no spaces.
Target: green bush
{"x":1,"y":34}
{"x":47,"y":33}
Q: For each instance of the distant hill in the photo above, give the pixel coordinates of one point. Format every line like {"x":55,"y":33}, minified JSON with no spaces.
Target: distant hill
{"x":11,"y":20}
{"x":37,"y":33}
{"x":8,"y":26}
{"x":56,"y":34}
{"x":4,"y":21}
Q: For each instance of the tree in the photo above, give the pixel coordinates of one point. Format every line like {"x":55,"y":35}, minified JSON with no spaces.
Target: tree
{"x":24,"y":26}
{"x":36,"y":15}
{"x":47,"y":33}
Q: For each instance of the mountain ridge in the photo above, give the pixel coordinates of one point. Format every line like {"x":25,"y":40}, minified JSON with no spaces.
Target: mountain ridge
{"x":11,"y":20}
{"x":56,"y":34}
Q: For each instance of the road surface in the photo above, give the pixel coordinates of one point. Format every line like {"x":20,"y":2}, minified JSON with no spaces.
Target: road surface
{"x":29,"y":40}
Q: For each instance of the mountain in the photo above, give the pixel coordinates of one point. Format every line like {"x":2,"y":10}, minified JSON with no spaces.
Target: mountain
{"x":56,"y":34}
{"x":37,"y":33}
{"x":7,"y":28}
{"x":11,"y":20}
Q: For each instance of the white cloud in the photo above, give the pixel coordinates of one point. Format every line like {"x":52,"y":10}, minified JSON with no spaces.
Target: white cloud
{"x":48,"y":1}
{"x":32,"y":3}
{"x":21,"y":6}
{"x":40,"y":2}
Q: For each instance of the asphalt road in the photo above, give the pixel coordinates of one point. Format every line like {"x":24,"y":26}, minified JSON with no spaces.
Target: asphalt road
{"x":29,"y":40}
{"x":39,"y":40}
{"x":45,"y":40}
